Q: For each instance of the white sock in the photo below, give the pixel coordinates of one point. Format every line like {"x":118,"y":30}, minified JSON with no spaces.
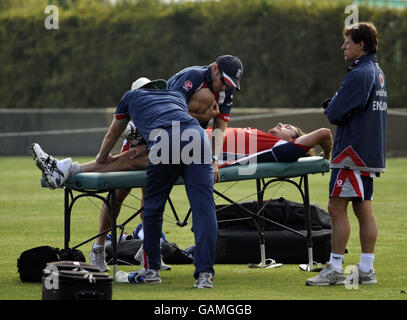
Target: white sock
{"x":74,"y":168}
{"x":336,"y":261}
{"x":67,"y":164}
{"x":366,"y":262}
{"x":96,"y":246}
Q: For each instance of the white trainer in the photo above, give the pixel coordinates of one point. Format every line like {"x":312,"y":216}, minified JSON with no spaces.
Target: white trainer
{"x":145,"y":276}
{"x":54,"y":171}
{"x":97,"y":258}
{"x":328,"y":276}
{"x":368,"y":277}
{"x":204,"y":281}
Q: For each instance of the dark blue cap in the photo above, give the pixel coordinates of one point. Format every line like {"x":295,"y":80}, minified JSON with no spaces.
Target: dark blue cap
{"x":232,"y":69}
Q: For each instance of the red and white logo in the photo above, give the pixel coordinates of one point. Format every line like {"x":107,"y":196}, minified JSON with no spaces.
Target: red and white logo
{"x":188,"y":85}
{"x":381,"y":80}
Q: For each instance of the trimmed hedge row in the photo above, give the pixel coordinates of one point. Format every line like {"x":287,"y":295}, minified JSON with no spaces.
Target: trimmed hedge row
{"x":290,"y":49}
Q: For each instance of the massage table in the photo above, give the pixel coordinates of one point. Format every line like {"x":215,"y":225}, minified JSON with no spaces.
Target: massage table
{"x":94,"y":184}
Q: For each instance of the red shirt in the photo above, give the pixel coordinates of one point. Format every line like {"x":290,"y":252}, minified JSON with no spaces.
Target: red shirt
{"x":247,"y":140}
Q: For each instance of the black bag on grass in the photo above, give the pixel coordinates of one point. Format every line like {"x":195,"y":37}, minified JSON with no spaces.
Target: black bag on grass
{"x":172,"y":254}
{"x":128,"y":248}
{"x":126,"y":252}
{"x":32,"y":261}
{"x":238,"y":240}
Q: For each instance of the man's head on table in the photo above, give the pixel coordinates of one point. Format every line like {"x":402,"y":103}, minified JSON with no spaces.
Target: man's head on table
{"x":286,"y":131}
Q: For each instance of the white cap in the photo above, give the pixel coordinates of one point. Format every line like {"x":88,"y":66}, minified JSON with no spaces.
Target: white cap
{"x":142,"y":82}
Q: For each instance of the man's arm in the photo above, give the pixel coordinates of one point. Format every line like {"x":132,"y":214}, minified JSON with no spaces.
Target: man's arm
{"x":199,"y":102}
{"x":218,"y":135}
{"x":322,"y":137}
{"x":110,"y":139}
{"x":351,"y":97}
{"x":201,"y":111}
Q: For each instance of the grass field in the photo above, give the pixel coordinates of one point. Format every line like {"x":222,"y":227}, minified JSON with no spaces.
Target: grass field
{"x":32,"y":216}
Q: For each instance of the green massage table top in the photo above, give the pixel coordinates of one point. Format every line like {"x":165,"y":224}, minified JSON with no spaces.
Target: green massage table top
{"x":105,"y":181}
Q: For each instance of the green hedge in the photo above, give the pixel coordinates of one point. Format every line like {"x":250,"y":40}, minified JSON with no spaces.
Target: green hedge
{"x":290,"y":49}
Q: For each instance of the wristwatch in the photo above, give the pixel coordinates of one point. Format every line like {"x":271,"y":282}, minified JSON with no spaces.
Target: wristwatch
{"x":215,"y":158}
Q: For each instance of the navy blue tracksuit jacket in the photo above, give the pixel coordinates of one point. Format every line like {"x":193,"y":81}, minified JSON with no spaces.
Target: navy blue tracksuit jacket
{"x":359,"y":110}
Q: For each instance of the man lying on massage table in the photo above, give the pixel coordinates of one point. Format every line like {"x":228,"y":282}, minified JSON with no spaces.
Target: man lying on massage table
{"x":283,"y":143}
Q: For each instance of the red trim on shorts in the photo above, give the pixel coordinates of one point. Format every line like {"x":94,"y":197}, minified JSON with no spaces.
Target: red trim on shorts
{"x":344,"y":175}
{"x":338,"y":187}
{"x":355,"y":184}
{"x":365,"y":174}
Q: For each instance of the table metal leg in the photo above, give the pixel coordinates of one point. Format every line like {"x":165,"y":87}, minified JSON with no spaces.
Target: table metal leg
{"x":67,"y":218}
{"x":311,"y":266}
{"x":112,"y":201}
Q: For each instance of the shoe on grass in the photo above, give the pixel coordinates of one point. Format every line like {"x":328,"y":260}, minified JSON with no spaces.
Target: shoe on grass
{"x":145,"y":276}
{"x":204,"y":281}
{"x":97,"y":259}
{"x":326,"y":277}
{"x":368,"y":277}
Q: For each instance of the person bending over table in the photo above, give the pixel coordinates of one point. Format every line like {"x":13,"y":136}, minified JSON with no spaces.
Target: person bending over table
{"x":222,"y":78}
{"x":157,"y":114}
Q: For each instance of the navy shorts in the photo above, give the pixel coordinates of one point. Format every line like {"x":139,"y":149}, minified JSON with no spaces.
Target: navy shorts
{"x":346,"y":183}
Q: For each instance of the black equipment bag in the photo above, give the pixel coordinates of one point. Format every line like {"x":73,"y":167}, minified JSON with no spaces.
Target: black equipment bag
{"x":125,"y":253}
{"x":128,"y":248}
{"x":238,"y":240}
{"x":172,"y":254}
{"x":32,"y":261}
{"x":75,"y":280}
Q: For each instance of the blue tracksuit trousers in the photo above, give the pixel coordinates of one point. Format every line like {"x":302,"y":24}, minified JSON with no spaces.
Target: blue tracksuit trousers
{"x":198,"y":180}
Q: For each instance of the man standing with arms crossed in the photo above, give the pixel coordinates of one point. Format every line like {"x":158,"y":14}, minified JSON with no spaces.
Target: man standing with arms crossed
{"x":359,"y":110}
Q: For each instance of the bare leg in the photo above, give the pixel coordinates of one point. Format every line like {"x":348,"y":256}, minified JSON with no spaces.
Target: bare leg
{"x":104,"y":220}
{"x":333,"y":273}
{"x":133,"y":159}
{"x":367,"y":225}
{"x":337,"y":208}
